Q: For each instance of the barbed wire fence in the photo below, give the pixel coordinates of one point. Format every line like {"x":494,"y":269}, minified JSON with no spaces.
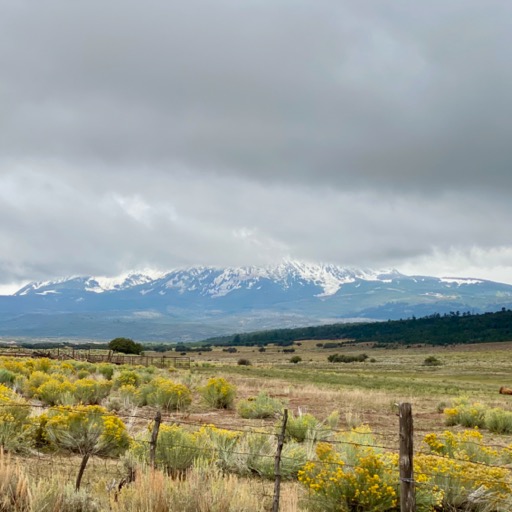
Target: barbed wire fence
{"x":402,"y":443}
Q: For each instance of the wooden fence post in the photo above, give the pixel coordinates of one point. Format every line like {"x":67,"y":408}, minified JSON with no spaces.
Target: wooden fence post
{"x":277,"y":463}
{"x":154,"y":438}
{"x":407,"y":491}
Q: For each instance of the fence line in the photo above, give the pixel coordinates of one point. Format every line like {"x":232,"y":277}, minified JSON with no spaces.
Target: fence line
{"x":406,"y":478}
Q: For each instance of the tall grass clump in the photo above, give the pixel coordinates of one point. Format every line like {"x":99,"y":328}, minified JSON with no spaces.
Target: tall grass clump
{"x":14,"y":486}
{"x":218,"y":393}
{"x":53,"y":496}
{"x":203,"y":489}
{"x":262,"y":406}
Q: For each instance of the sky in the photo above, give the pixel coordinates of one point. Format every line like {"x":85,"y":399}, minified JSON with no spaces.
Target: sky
{"x":164,"y":134}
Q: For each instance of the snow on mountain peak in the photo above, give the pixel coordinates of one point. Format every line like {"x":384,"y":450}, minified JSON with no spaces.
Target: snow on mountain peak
{"x":100,"y":284}
{"x":218,"y":282}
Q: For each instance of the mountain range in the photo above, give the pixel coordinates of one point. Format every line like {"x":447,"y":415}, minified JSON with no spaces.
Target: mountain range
{"x":199,"y":302}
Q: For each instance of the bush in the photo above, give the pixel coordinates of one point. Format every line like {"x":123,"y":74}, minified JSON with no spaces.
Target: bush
{"x":55,"y":392}
{"x":107,"y":370}
{"x":176,"y":449}
{"x":363,"y":482}
{"x":343,"y":358}
{"x":7,"y":377}
{"x":465,"y":414}
{"x":243,"y":362}
{"x":91,"y":392}
{"x":218,"y":393}
{"x":301,"y":427}
{"x":127,"y":377}
{"x":295,"y":359}
{"x":262,"y":406}
{"x":14,"y":418}
{"x":166,"y":394}
{"x":499,"y":421}
{"x":432,"y":361}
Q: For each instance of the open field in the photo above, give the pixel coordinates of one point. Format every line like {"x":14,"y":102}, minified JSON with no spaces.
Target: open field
{"x":363,"y":393}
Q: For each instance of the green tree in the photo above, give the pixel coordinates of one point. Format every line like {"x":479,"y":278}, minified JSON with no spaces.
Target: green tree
{"x":126,"y":346}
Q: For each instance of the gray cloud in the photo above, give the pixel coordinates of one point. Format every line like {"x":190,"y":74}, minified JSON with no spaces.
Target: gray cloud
{"x":171,"y":133}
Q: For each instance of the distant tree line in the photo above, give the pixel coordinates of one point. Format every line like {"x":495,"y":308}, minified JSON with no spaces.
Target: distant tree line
{"x":436,"y":329}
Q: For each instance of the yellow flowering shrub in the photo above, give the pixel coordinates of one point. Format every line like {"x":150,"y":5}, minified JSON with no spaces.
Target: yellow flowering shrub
{"x":218,"y":393}
{"x":14,"y":419}
{"x":86,"y":429}
{"x":56,"y":392}
{"x":90,"y":391}
{"x":126,"y":377}
{"x":465,"y":414}
{"x":34,"y":382}
{"x":15,"y":366}
{"x":165,"y":393}
{"x":467,"y":445}
{"x":370,"y":485}
{"x":458,"y":465}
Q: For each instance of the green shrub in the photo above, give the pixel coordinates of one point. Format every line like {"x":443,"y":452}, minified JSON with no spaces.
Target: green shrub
{"x":344,"y":358}
{"x":432,"y":361}
{"x":301,"y":427}
{"x":7,"y":377}
{"x":243,"y":362}
{"x":176,"y":449}
{"x":499,"y":421}
{"x":261,"y":406}
{"x":295,"y":359}
{"x":107,"y":370}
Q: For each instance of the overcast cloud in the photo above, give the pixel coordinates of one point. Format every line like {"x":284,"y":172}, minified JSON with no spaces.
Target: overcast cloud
{"x":171,"y":133}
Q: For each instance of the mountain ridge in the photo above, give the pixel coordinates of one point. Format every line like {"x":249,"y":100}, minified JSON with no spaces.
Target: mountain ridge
{"x":197,"y":302}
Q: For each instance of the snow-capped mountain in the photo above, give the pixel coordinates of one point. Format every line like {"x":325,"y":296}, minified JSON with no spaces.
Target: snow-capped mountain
{"x":200,"y":301}
{"x":214,"y":282}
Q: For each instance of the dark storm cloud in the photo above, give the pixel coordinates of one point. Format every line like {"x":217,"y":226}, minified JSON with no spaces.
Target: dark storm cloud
{"x":173,"y":133}
{"x":397,"y":93}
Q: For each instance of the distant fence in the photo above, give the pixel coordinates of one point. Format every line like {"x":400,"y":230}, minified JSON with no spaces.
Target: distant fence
{"x":111,"y":357}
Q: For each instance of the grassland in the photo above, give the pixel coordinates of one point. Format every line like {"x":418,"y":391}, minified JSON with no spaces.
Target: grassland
{"x":362,"y":392}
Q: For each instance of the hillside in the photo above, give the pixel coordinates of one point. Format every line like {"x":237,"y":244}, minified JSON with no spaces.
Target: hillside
{"x":434,"y":329}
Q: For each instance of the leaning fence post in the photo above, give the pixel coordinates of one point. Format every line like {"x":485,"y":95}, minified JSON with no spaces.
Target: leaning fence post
{"x":277,"y":463}
{"x":407,"y":492}
{"x":154,"y":437}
